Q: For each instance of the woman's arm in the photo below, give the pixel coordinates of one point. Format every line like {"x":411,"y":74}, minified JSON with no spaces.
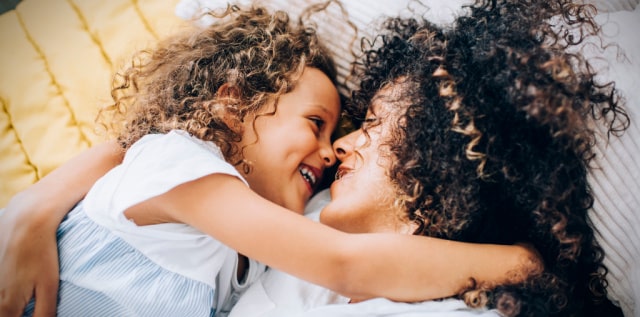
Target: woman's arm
{"x":399,"y":267}
{"x":28,"y":225}
{"x":51,"y":198}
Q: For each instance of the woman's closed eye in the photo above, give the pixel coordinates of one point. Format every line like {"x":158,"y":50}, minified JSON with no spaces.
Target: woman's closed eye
{"x":369,"y":121}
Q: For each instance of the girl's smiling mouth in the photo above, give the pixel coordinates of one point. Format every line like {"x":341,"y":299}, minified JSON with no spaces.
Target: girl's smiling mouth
{"x":311,"y":175}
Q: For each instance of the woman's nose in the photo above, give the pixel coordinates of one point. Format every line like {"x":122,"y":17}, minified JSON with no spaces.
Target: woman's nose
{"x":343,"y":146}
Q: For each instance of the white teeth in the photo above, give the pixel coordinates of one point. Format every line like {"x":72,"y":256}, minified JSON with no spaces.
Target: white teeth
{"x":308,"y":175}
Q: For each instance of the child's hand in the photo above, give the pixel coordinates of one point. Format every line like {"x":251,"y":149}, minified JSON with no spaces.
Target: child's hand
{"x":29,"y":266}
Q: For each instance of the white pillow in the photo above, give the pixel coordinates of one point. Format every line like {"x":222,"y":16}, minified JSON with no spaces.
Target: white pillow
{"x":616,"y":181}
{"x":614,"y":5}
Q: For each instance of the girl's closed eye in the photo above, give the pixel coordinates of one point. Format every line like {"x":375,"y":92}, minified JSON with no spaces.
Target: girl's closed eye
{"x":318,"y":122}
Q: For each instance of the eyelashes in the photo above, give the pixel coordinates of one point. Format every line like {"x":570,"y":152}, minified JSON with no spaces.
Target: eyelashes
{"x":319,"y":123}
{"x":369,"y":121}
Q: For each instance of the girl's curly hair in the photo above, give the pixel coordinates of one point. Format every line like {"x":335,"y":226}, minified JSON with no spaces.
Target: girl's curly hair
{"x":207,"y":80}
{"x":496,"y":141}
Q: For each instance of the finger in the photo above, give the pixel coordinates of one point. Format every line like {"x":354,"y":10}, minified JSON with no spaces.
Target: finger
{"x":8,"y":311}
{"x":8,"y":306}
{"x":46,"y":298}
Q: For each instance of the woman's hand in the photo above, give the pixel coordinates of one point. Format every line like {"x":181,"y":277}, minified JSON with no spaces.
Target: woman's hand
{"x":29,"y":266}
{"x":28,"y":246}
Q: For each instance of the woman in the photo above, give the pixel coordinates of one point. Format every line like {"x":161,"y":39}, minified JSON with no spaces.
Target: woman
{"x":483,"y":133}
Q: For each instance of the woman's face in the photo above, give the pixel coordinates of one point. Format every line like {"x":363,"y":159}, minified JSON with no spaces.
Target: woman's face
{"x":363,"y":194}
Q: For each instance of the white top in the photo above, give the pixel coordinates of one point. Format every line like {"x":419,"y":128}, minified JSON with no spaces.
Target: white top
{"x":152,"y":166}
{"x":380,"y":307}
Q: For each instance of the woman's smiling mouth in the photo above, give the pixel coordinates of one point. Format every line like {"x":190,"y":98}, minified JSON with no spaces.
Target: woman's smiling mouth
{"x":342,"y":171}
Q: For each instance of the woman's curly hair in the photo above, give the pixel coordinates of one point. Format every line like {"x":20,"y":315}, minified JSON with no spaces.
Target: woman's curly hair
{"x":250,"y":55}
{"x":497,"y":139}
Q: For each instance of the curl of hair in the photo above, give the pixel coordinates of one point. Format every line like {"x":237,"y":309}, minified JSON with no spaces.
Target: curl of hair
{"x":256,"y":54}
{"x":496,"y":140}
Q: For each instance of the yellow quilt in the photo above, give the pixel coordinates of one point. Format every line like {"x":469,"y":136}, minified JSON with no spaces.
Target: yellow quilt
{"x":56,"y":61}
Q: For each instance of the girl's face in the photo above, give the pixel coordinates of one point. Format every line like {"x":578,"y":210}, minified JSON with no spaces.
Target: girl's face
{"x":363,"y":194}
{"x":290,"y":149}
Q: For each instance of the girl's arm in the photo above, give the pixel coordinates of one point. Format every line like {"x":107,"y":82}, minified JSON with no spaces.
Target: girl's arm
{"x":399,"y":267}
{"x":28,"y":226}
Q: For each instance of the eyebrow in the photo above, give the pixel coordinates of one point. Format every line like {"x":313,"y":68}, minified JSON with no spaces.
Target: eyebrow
{"x":321,"y":107}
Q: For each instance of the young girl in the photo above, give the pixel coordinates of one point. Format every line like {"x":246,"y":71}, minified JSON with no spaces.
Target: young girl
{"x":247,"y":101}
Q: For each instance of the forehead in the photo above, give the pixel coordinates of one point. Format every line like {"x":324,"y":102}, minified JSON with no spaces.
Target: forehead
{"x":314,"y":83}
{"x":312,"y":90}
{"x":390,"y":100}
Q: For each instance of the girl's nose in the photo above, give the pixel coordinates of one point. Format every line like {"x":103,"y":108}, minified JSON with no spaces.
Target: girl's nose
{"x":326,"y":151}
